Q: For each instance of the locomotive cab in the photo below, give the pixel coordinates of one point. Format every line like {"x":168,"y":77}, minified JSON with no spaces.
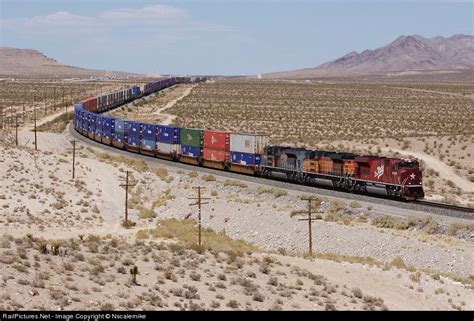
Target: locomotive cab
{"x":411,"y":179}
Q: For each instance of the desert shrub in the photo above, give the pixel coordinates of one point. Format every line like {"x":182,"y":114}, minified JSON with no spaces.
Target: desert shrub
{"x":398,"y":263}
{"x":387,"y":221}
{"x":186,"y":231}
{"x":146,"y":213}
{"x":233,"y":182}
{"x":357,"y":293}
{"x":456,"y":226}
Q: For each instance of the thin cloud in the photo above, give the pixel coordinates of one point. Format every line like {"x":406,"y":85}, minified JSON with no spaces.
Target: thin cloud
{"x":163,"y":15}
{"x":145,"y":13}
{"x":55,"y":20}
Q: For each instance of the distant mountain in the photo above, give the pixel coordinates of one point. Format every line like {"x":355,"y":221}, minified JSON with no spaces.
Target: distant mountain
{"x":32,"y":63}
{"x":406,"y":53}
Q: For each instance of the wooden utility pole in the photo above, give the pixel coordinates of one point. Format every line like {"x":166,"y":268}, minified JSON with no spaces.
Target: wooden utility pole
{"x":65,"y":105}
{"x":73,"y":158}
{"x":54,"y":95}
{"x":44,"y":102}
{"x":16,"y":130}
{"x":199,"y":203}
{"x":35,"y":130}
{"x":310,"y":210}
{"x":126,"y":185}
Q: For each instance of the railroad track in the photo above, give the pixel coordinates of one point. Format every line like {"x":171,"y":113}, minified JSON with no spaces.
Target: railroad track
{"x":420,"y":206}
{"x":447,"y":206}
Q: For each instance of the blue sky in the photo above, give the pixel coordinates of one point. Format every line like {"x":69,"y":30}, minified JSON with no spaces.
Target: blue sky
{"x":219,"y":37}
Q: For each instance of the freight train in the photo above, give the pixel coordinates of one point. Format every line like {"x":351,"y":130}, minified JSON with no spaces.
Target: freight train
{"x":242,"y":152}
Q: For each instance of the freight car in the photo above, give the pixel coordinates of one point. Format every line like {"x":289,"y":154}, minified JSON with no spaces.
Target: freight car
{"x":242,"y":152}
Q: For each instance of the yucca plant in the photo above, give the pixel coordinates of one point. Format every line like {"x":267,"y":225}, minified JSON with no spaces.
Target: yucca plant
{"x":134,"y":272}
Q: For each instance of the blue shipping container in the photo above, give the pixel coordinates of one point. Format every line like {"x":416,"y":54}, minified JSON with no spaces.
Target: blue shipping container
{"x":84,"y":123}
{"x":91,"y":123}
{"x":190,"y":151}
{"x":245,"y":158}
{"x":134,"y":129}
{"x":134,"y":141}
{"x":136,"y":91}
{"x":149,"y":131}
{"x":168,"y":134}
{"x":77,"y":118}
{"x":119,"y":137}
{"x":107,"y":127}
{"x":119,"y":126}
{"x":98,"y":125}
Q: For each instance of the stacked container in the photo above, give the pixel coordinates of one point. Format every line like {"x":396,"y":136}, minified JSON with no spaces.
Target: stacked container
{"x":98,"y":127}
{"x":136,"y":91}
{"x":90,"y":104}
{"x":149,"y":136}
{"x":107,"y":129}
{"x":216,"y":147}
{"x":246,"y":149}
{"x":77,"y":117}
{"x":119,"y":131}
{"x":84,"y":124}
{"x":168,"y":140}
{"x":91,"y":125}
{"x":191,"y":142}
{"x":134,"y":134}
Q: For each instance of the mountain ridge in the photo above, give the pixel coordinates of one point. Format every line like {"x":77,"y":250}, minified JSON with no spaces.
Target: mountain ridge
{"x":33,"y":63}
{"x":405,"y":53}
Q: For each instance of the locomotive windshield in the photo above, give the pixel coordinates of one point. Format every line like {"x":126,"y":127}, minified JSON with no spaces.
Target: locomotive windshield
{"x":407,"y":164}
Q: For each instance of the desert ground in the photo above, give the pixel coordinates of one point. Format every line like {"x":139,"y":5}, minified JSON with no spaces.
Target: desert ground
{"x":64,"y":245}
{"x":432,"y":123}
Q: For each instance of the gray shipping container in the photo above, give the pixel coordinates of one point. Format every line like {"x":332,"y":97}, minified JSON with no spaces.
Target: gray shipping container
{"x":168,"y":148}
{"x":248,"y":143}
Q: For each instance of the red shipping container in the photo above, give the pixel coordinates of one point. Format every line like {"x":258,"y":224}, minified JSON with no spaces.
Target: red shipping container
{"x":217,"y":140}
{"x":216,"y":155}
{"x":91,"y":104}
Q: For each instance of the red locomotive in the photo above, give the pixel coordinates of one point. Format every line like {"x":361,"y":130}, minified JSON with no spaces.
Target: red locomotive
{"x":372,"y":174}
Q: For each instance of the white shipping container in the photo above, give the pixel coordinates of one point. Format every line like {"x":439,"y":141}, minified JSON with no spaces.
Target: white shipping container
{"x":248,"y":143}
{"x":168,"y":148}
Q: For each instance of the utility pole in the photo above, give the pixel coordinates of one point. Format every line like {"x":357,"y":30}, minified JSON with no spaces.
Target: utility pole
{"x":126,"y":185}
{"x":65,"y":106}
{"x":199,"y":202}
{"x":44,"y":102}
{"x":310,"y":210}
{"x":73,"y":158}
{"x":16,"y":130}
{"x":36,"y":135}
{"x":54,"y":95}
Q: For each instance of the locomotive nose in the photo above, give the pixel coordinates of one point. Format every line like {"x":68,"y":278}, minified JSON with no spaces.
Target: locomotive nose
{"x":411,"y":176}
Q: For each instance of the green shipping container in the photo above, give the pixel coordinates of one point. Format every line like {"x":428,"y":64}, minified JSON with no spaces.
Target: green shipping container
{"x":191,"y":137}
